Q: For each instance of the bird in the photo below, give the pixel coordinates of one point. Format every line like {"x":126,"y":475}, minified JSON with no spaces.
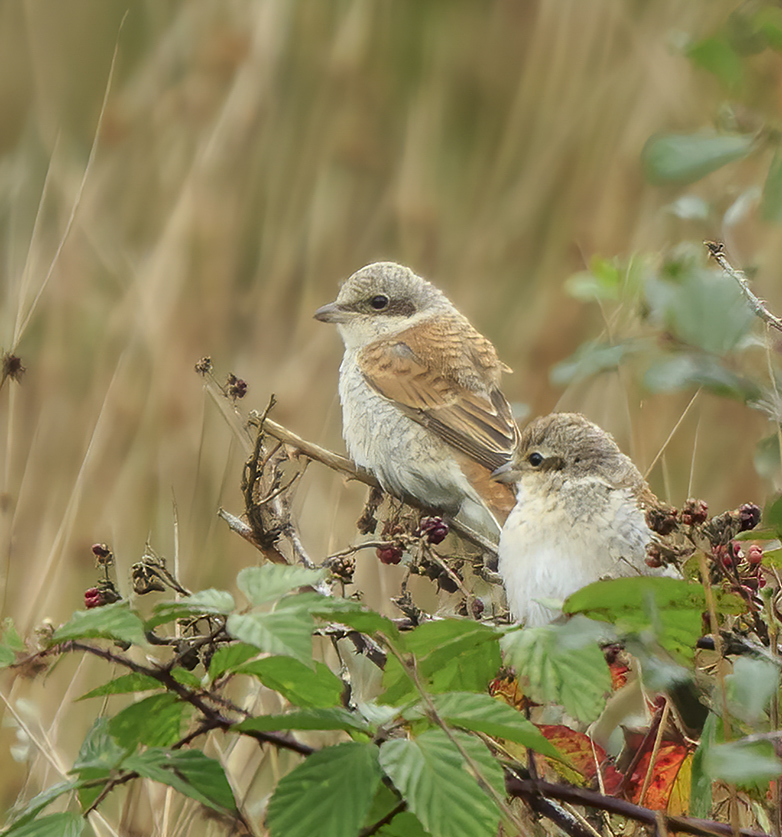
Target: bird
{"x":580,"y":515}
{"x":422,"y":408}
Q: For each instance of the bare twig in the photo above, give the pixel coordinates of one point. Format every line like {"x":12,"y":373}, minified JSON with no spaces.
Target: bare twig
{"x":527,"y":788}
{"x":717,"y":252}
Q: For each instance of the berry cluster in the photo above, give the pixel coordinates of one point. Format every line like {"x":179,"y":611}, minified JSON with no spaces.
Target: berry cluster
{"x":742,"y":569}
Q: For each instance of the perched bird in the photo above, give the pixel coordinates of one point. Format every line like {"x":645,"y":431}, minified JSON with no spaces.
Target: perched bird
{"x":421,"y":405}
{"x":579,"y":514}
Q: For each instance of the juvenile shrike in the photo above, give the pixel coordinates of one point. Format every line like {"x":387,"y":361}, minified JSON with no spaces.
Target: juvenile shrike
{"x":421,"y":404}
{"x":579,"y":514}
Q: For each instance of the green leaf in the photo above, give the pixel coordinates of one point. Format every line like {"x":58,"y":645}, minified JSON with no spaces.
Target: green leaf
{"x":717,"y":56}
{"x":404,"y":824}
{"x":603,"y":280}
{"x":329,"y":794}
{"x":768,"y":20}
{"x":745,"y":763}
{"x":19,"y":818}
{"x":562,"y":664}
{"x":212,"y":602}
{"x":703,"y":308}
{"x":691,"y":370}
{"x":685,"y":158}
{"x":115,"y":621}
{"x":772,"y":514}
{"x":670,"y":607}
{"x":133,"y":682}
{"x":155,"y":721}
{"x":452,"y":655}
{"x":284,"y":631}
{"x":11,"y":636}
{"x":99,"y":751}
{"x":700,"y":791}
{"x":269,"y":582}
{"x":431,"y":773}
{"x":322,"y":719}
{"x":482,"y":713}
{"x":750,"y":688}
{"x":351,"y":614}
{"x":297,"y":682}
{"x":591,"y":359}
{"x":228,"y":658}
{"x":771,"y":203}
{"x":188,"y":771}
{"x":53,"y":825}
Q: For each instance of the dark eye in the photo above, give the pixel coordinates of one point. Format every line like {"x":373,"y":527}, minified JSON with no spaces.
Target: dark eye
{"x":535,"y":459}
{"x":379,"y":302}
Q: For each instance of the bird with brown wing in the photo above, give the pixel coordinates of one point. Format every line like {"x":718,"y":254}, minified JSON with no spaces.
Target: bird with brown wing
{"x":422,"y":407}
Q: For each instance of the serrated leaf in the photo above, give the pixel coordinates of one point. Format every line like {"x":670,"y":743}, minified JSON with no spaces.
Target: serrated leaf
{"x":561,"y":664}
{"x":211,"y":601}
{"x":404,"y":824}
{"x":115,"y":621}
{"x":312,"y":719}
{"x":99,"y":751}
{"x":133,"y":682}
{"x":451,"y":654}
{"x":269,"y":582}
{"x":155,"y":721}
{"x":24,"y":815}
{"x":228,"y":658}
{"x":591,"y":359}
{"x":750,"y":688}
{"x":685,"y":158}
{"x":351,"y":614}
{"x":430,"y":773}
{"x":772,"y":515}
{"x":188,"y":771}
{"x":670,"y":607}
{"x":296,"y":682}
{"x":684,"y":371}
{"x":329,"y":794}
{"x":284,"y":631}
{"x":745,"y":763}
{"x":482,"y":713}
{"x":52,"y":825}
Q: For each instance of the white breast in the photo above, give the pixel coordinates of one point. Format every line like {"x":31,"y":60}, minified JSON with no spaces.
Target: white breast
{"x":554,"y":543}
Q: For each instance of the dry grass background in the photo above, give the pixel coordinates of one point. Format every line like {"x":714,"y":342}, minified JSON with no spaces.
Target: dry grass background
{"x":251,"y":155}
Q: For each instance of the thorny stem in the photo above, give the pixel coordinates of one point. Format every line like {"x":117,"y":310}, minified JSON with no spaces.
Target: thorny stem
{"x":717,"y":252}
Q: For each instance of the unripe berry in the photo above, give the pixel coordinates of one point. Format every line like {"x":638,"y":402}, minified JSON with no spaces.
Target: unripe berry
{"x":755,"y":555}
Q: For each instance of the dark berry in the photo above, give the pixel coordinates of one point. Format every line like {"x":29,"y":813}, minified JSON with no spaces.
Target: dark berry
{"x":661,"y":519}
{"x":653,"y":557}
{"x":694,"y":512}
{"x":434,"y":528}
{"x":477,"y":608}
{"x":389,"y":554}
{"x":100,"y":550}
{"x":749,"y":516}
{"x":447,"y":582}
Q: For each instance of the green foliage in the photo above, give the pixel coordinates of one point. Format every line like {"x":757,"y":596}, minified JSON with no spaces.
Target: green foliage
{"x":52,"y":825}
{"x":323,"y":719}
{"x":133,"y":682}
{"x":285,"y":631}
{"x":188,"y":771}
{"x":429,"y":770}
{"x":297,"y":682}
{"x":269,"y":582}
{"x":155,"y":721}
{"x":743,"y":763}
{"x":451,"y":655}
{"x":329,"y":794}
{"x":685,"y":158}
{"x":562,"y":664}
{"x":671,"y":608}
{"x":115,"y":621}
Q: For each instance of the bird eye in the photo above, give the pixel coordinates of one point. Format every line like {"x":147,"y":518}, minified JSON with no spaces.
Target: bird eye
{"x":379,"y":302}
{"x":535,"y":459}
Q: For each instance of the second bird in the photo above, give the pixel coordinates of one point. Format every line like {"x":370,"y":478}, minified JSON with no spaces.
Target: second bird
{"x":420,"y":389}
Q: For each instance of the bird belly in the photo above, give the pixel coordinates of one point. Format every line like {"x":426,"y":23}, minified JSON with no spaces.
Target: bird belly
{"x":550,"y":548}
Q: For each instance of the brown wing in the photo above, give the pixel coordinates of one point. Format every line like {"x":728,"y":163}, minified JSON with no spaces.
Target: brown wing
{"x":445,"y":375}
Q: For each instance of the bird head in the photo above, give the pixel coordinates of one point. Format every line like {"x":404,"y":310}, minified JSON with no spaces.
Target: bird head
{"x":381,"y":299}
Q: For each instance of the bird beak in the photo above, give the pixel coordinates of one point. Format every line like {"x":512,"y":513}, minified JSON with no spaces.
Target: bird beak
{"x":506,"y":473}
{"x":332,"y":313}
